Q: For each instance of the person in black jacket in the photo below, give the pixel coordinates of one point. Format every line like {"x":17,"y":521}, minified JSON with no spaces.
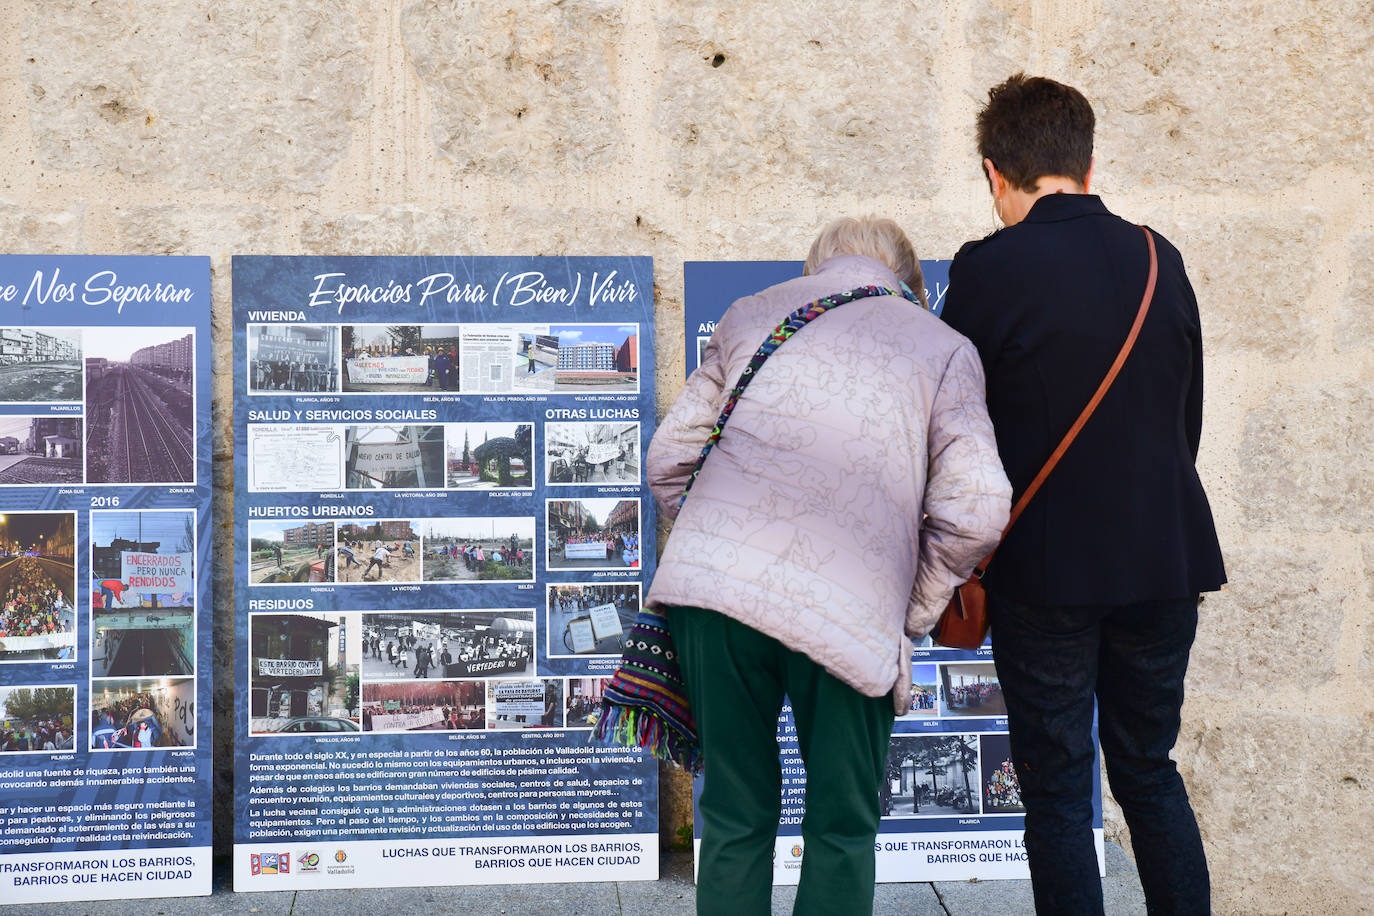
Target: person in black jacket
{"x":1094,"y":593}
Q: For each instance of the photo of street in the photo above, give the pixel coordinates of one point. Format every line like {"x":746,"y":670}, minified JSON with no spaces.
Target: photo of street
{"x":592,"y":453}
{"x":40,"y":450}
{"x":589,"y":619}
{"x":441,"y":706}
{"x":598,"y":533}
{"x":37,"y":586}
{"x":40,"y":365}
{"x":140,"y":410}
{"x":590,"y":358}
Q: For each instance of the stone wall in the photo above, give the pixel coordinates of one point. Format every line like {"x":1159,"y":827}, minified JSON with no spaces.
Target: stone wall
{"x":719,"y":129}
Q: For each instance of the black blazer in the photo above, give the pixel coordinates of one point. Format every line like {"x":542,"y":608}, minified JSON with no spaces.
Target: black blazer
{"x":1048,"y":302}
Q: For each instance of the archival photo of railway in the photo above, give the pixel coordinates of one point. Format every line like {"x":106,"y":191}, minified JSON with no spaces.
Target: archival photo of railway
{"x":140,"y":407}
{"x":40,"y":365}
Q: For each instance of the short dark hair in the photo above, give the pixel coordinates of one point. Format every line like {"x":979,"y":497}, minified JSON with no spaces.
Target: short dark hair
{"x":1032,"y":127}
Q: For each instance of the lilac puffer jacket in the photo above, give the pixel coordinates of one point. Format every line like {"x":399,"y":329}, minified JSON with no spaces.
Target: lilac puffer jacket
{"x":806,"y":522}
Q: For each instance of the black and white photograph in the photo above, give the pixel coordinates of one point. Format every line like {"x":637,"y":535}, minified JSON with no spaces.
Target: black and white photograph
{"x":37,"y":719}
{"x":931,"y":776}
{"x":40,"y":450}
{"x":513,"y":705}
{"x":600,"y":533}
{"x":303,"y":675}
{"x":925,"y":692}
{"x":1001,"y":788}
{"x":377,"y":550}
{"x":602,"y":454}
{"x":433,"y":706}
{"x":587,"y":358}
{"x":140,"y":408}
{"x":590,"y":619}
{"x":293,"y":358}
{"x":394,"y":457}
{"x":400,"y":358}
{"x":584,"y":701}
{"x":490,"y":456}
{"x":290,"y":552}
{"x":482,"y":549}
{"x":445,"y":645}
{"x":143,"y":593}
{"x":40,"y":365}
{"x":143,"y":714}
{"x":37,"y":586}
{"x":971,"y":689}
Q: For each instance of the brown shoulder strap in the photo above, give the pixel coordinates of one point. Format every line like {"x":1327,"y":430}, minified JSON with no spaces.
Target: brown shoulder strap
{"x":1107,"y":380}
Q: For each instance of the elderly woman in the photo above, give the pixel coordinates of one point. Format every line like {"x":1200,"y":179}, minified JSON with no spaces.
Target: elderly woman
{"x":856,"y":485}
{"x":1094,"y":594}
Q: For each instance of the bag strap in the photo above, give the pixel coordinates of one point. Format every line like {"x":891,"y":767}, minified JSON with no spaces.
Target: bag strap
{"x":1092,"y":404}
{"x":790,"y":325}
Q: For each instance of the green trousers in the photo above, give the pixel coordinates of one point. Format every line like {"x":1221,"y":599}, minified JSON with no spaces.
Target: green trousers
{"x":736,"y":678}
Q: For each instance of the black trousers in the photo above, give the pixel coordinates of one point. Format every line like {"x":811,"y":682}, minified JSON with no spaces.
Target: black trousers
{"x":1052,"y":663}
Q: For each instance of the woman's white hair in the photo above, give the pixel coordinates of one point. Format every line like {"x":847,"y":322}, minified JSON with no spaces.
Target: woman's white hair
{"x":875,"y":237}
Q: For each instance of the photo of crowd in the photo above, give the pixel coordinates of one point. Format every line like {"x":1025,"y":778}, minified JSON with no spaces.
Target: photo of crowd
{"x":1001,"y":790}
{"x":294,"y":358}
{"x":598,"y":533}
{"x":479,"y":549}
{"x":400,"y":359}
{"x":423,"y":645}
{"x":590,"y":619}
{"x":143,"y":714}
{"x":971,"y":689}
{"x":584,"y":701}
{"x":592,"y":453}
{"x":440,"y":706}
{"x":485,"y":456}
{"x":925,"y":691}
{"x":37,"y":586}
{"x":37,"y":719}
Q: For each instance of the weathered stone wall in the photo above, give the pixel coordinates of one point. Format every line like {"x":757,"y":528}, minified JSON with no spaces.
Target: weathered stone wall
{"x":718,"y":129}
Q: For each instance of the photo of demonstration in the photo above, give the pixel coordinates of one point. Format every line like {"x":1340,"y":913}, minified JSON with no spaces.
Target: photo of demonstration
{"x":584,"y":701}
{"x":447,"y":644}
{"x":930,"y":776}
{"x":525,"y":704}
{"x":400,"y":358}
{"x":39,"y":365}
{"x":37,"y":719}
{"x":590,"y":619}
{"x":970,"y":689}
{"x":593,"y":533}
{"x":385,"y":550}
{"x":293,"y":358}
{"x":441,"y":706}
{"x":394,"y":457}
{"x":37,"y":586}
{"x":479,"y":549}
{"x":140,"y":409}
{"x":143,"y":714}
{"x":486,"y":456}
{"x":303,"y":675}
{"x":592,"y":453}
{"x":142,"y":593}
{"x":1001,"y":790}
{"x":588,"y":358}
{"x":290,"y":552}
{"x":40,"y":450}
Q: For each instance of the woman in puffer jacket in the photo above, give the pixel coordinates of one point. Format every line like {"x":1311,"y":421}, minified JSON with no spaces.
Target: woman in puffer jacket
{"x":856,"y":484}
